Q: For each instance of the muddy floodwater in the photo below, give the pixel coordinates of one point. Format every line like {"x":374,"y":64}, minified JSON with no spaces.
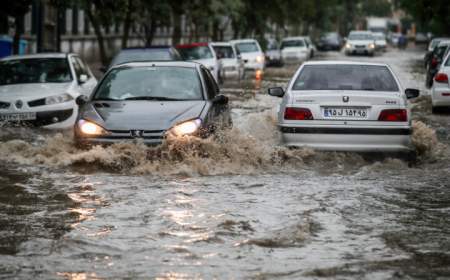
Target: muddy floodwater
{"x":235,"y":206}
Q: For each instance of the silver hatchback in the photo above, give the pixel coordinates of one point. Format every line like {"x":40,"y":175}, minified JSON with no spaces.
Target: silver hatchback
{"x":345,"y":106}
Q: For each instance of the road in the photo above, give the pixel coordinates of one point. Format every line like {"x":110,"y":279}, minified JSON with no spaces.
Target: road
{"x":237,"y":206}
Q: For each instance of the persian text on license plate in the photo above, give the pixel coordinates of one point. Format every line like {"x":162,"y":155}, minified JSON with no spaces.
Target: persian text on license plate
{"x":345,"y":113}
{"x":18,"y":117}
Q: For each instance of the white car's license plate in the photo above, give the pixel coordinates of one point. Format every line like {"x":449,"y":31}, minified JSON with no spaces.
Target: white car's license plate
{"x":18,"y":117}
{"x":345,"y":113}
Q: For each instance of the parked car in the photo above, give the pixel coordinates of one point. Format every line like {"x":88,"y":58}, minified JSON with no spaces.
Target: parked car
{"x":155,"y":53}
{"x":232,"y":65}
{"x":380,"y":41}
{"x":433,"y":44}
{"x":204,"y":54}
{"x":41,"y":89}
{"x":421,"y":38}
{"x":360,"y":42}
{"x":435,"y":62}
{"x":330,"y":41}
{"x":273,"y":54}
{"x":294,"y":50}
{"x":440,"y":92}
{"x":152,"y":101}
{"x":345,"y":106}
{"x":251,"y":54}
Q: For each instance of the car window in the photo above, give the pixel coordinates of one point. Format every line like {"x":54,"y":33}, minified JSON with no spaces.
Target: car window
{"x":35,"y":70}
{"x":346,"y":77}
{"x":77,"y":67}
{"x":180,"y":83}
{"x":360,"y":36}
{"x":83,"y":66}
{"x":247,"y":47}
{"x":292,"y":43}
{"x":211,"y":86}
{"x":194,"y":53}
{"x":224,"y":51}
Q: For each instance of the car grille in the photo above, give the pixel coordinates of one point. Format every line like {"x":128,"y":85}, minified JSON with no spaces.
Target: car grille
{"x":4,"y":105}
{"x":136,"y":134}
{"x":38,"y":102}
{"x":360,"y":46}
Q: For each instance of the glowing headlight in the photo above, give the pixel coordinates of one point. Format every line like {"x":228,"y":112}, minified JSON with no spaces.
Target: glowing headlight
{"x":260,"y":59}
{"x":348,"y":46}
{"x":90,"y":128}
{"x":58,"y":99}
{"x":186,"y":128}
{"x":371,"y":46}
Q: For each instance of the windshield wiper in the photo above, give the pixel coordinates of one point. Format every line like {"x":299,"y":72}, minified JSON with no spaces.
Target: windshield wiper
{"x":159,"y":98}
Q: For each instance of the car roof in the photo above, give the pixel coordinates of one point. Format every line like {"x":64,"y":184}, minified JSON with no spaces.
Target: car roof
{"x":294,"y":38}
{"x":444,"y":43}
{"x":343,"y":62}
{"x":243,"y":41}
{"x":222,"y":44}
{"x":38,"y":55}
{"x":187,"y":64}
{"x":360,"y":32}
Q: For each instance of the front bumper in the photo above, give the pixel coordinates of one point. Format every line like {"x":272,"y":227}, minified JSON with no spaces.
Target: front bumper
{"x":298,"y":57}
{"x":151,"y":137}
{"x":45,"y":118}
{"x":348,"y":139}
{"x":253,"y":65}
{"x":361,"y":50}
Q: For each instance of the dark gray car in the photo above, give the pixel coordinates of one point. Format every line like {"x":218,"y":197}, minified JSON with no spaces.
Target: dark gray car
{"x":151,"y":100}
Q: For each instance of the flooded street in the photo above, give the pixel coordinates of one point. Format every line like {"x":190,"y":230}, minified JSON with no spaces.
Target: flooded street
{"x":235,"y":206}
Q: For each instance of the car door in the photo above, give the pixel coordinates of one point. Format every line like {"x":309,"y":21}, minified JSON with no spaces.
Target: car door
{"x":215,"y":113}
{"x":85,"y":87}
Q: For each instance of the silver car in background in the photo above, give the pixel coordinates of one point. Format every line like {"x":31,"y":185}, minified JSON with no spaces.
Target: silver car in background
{"x":360,"y":42}
{"x":345,"y":106}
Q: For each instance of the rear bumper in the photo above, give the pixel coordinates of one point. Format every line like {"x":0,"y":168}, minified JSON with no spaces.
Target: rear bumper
{"x":348,"y":139}
{"x":437,"y":97}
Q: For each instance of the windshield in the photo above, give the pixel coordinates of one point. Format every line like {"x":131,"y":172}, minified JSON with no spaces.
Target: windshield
{"x":360,"y":36}
{"x":224,"y":51}
{"x":142,"y":55}
{"x":151,"y":83}
{"x":195,"y":53}
{"x":35,"y":70}
{"x":440,"y":51}
{"x":292,"y":43}
{"x":247,"y":47}
{"x":345,"y":77}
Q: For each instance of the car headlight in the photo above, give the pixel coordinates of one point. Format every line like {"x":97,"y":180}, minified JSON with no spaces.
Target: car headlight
{"x":348,"y":46}
{"x":90,"y":128}
{"x":186,"y":128}
{"x":260,"y":59}
{"x":371,"y":46}
{"x":58,"y":99}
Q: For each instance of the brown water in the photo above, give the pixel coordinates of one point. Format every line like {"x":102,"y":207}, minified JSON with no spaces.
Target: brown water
{"x":238,"y":205}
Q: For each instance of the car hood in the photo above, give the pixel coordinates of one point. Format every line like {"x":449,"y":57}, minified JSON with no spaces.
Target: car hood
{"x":209,"y":62}
{"x":32,"y":91}
{"x":360,"y":42}
{"x":142,"y":115}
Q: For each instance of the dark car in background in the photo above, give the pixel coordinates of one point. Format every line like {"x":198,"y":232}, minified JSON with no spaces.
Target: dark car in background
{"x":156,"y":53}
{"x":151,"y":101}
{"x":438,"y":54}
{"x":330,"y":41}
{"x":431,"y":46}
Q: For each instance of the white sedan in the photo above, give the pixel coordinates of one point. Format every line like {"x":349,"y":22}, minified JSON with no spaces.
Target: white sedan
{"x":41,"y":89}
{"x":440,"y":91}
{"x":345,"y":106}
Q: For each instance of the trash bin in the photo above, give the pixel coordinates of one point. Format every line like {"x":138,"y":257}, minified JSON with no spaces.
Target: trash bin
{"x":6,"y":46}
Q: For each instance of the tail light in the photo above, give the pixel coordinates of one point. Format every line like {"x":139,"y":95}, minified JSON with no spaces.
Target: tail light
{"x":393,"y":115}
{"x":441,"y":78}
{"x":300,"y":114}
{"x":434,"y":62}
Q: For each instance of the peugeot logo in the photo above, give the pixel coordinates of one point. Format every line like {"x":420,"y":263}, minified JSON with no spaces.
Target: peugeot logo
{"x":137,"y":133}
{"x":345,"y":99}
{"x":19,"y":104}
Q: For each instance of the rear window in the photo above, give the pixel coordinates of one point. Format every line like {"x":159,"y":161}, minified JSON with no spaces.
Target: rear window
{"x":346,"y":77}
{"x":292,"y":43}
{"x":195,"y":53}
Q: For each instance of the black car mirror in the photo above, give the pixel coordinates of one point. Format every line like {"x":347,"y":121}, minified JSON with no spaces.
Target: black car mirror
{"x":81,"y":100}
{"x":220,"y":99}
{"x":102,"y":69}
{"x":276,"y":91}
{"x":412,"y":93}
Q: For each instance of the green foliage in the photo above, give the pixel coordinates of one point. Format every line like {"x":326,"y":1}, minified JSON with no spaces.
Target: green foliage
{"x":431,"y":16}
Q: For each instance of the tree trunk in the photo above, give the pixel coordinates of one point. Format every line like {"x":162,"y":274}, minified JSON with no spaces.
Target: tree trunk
{"x":176,"y":15}
{"x":150,"y":32}
{"x":19,"y":30}
{"x":127,"y":24}
{"x":98,"y":34}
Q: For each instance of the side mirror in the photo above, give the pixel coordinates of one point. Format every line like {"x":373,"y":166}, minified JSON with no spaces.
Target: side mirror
{"x":239,"y":56}
{"x":102,"y":69}
{"x":81,"y":100}
{"x":220,"y":99}
{"x":412,"y":93}
{"x":83,"y":78}
{"x":276,"y":91}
